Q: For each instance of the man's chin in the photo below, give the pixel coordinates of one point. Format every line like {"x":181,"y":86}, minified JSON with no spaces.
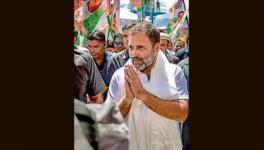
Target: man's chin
{"x":139,"y":67}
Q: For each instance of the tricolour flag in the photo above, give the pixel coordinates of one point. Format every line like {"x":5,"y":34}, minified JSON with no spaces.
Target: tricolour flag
{"x":78,"y":18}
{"x":182,"y":30}
{"x":96,"y":14}
{"x":95,"y":17}
{"x":177,"y":19}
{"x":115,"y":15}
{"x":78,"y":14}
{"x":137,"y":3}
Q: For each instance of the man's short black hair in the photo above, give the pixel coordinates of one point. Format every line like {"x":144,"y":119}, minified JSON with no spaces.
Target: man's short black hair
{"x":147,"y":28}
{"x":117,"y":35}
{"x":75,"y":33}
{"x":97,"y":35}
{"x":110,"y":44}
{"x":128,"y":26}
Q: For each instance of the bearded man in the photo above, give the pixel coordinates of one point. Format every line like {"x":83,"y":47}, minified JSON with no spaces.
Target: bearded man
{"x":151,"y":93}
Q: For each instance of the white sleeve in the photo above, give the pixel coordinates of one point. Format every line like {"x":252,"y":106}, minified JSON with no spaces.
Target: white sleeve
{"x":181,"y":84}
{"x":113,"y":94}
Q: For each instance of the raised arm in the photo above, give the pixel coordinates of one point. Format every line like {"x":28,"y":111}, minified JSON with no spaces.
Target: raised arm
{"x":173,"y":109}
{"x":114,"y":95}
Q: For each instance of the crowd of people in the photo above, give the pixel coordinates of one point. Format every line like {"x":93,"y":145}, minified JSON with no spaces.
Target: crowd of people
{"x":146,"y":75}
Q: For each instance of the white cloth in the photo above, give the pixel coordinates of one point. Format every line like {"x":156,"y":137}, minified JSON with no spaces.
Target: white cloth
{"x":149,"y":130}
{"x":80,"y":141}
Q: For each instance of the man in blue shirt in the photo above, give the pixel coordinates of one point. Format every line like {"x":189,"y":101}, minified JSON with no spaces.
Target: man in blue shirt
{"x":96,"y":46}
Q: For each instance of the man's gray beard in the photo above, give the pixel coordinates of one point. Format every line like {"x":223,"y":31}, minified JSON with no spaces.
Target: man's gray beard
{"x":146,"y":62}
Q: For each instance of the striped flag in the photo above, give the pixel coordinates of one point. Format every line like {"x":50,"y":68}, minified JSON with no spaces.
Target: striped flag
{"x":113,"y":12}
{"x":94,"y":15}
{"x":139,"y":4}
{"x":78,"y":18}
{"x":182,"y":30}
{"x":115,"y":15}
{"x":177,"y":19}
{"x":78,"y":14}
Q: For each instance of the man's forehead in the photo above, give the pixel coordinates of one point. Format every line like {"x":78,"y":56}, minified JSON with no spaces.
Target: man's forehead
{"x":94,"y":42}
{"x":138,"y":35}
{"x":163,"y":40}
{"x":126,"y":31}
{"x":118,"y":37}
{"x":139,"y":39}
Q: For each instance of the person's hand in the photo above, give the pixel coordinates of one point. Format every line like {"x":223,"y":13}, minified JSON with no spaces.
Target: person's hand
{"x":134,"y":82}
{"x":96,"y":99}
{"x":129,"y":95}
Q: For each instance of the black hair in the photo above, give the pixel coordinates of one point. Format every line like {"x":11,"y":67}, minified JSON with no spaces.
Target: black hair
{"x":109,"y":44}
{"x":97,"y":35}
{"x":75,"y":33}
{"x":149,"y":29}
{"x":117,"y":35}
{"x":128,"y":26}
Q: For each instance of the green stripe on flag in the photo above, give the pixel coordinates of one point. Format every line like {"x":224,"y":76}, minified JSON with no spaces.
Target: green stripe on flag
{"x":91,"y":21}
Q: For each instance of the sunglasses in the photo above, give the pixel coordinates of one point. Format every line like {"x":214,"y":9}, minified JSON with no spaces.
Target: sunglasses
{"x":119,"y":43}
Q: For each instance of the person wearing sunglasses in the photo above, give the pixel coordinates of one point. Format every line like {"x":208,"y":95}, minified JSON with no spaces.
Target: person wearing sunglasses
{"x":122,"y":57}
{"x":118,"y":42}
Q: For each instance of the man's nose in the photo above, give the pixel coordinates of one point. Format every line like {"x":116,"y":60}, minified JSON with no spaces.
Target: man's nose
{"x":134,"y":53}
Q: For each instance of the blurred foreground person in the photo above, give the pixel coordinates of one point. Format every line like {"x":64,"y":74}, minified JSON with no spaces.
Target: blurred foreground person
{"x":87,"y":82}
{"x":99,"y":127}
{"x":150,"y":92}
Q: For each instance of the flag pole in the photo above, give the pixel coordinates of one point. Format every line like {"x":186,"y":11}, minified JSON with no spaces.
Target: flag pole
{"x":184,"y":5}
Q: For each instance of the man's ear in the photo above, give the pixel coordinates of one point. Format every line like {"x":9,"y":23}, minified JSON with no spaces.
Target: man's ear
{"x":157,"y":47}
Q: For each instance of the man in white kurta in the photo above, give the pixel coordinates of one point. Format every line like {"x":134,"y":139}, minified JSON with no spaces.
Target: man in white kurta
{"x":151,"y":93}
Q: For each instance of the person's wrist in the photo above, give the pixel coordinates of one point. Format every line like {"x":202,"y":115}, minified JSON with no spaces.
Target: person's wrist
{"x":128,"y":101}
{"x":142,"y":95}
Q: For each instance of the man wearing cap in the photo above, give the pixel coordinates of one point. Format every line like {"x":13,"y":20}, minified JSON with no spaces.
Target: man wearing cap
{"x":164,"y":43}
